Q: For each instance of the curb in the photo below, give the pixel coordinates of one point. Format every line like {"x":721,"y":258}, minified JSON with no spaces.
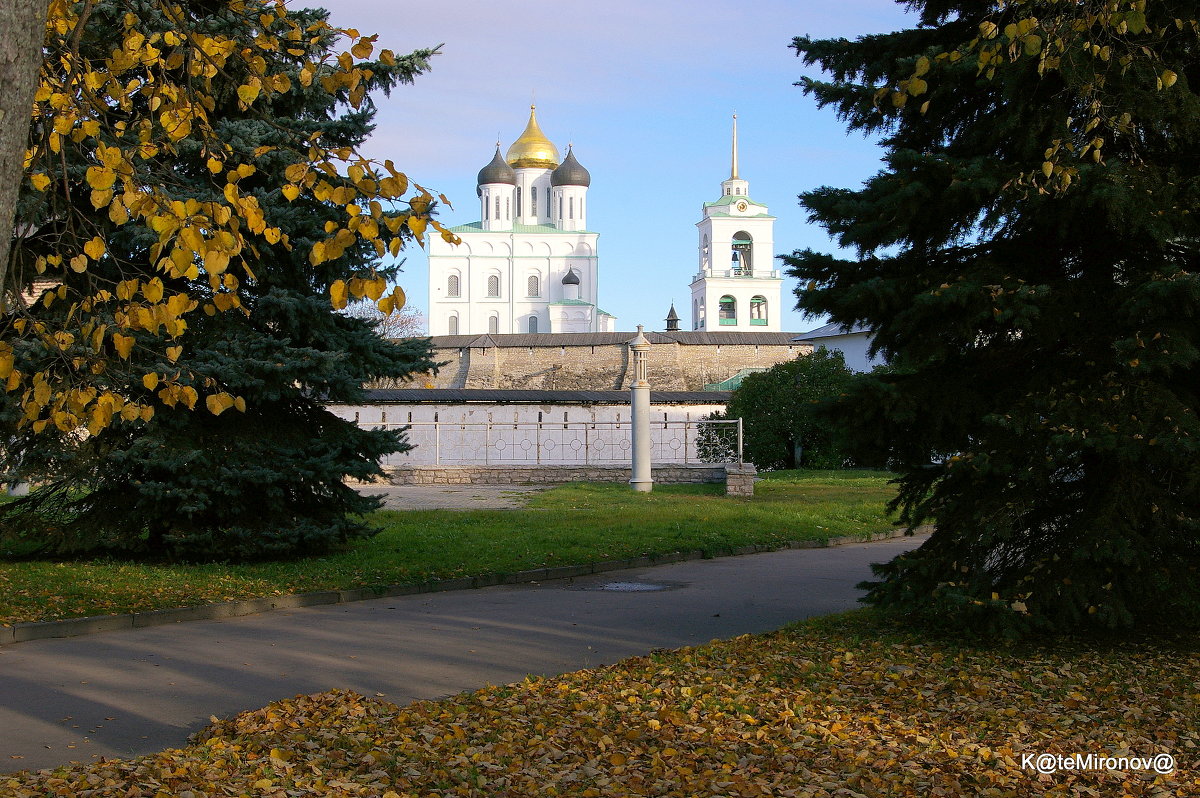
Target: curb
{"x":74,"y":627}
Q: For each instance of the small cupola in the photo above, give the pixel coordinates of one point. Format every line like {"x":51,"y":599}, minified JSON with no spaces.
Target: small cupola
{"x":672,"y":319}
{"x":570,"y":173}
{"x":497,"y":171}
{"x":571,"y":284}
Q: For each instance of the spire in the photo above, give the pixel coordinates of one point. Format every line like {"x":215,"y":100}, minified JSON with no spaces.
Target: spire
{"x":734,"y":185}
{"x":733,"y":175}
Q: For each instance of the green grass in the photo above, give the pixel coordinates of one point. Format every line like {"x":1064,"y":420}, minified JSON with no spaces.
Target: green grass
{"x":569,"y":525}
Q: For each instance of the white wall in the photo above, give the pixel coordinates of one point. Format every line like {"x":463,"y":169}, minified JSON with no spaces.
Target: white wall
{"x":554,"y":433}
{"x":853,"y":347}
{"x":513,"y":257}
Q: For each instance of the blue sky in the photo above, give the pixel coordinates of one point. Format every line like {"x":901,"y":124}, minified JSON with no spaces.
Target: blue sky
{"x":645,"y":91}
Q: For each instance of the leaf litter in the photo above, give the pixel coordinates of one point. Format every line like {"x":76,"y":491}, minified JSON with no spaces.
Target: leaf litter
{"x":838,"y":707}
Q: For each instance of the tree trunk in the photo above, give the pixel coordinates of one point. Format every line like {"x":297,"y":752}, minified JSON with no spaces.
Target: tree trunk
{"x":22,"y":31}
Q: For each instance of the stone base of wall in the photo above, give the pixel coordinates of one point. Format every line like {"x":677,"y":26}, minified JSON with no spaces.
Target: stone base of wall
{"x":545,"y":475}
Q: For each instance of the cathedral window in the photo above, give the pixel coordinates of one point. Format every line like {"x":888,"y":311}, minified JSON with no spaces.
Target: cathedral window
{"x":560,"y":215}
{"x":507,"y":207}
{"x":533,"y":201}
{"x":533,"y":324}
{"x":485,"y":209}
{"x":452,"y":324}
{"x":727,"y":311}
{"x":519,"y":192}
{"x":497,"y":207}
{"x":571,"y":208}
{"x":758,"y":311}
{"x":493,"y":324}
{"x":452,"y":285}
{"x":533,"y":286}
{"x":493,"y":285}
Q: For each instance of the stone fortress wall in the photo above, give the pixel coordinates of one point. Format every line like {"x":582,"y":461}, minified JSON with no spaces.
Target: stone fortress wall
{"x":678,"y":360}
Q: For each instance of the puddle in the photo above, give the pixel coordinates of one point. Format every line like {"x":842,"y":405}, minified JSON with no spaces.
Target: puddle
{"x":631,"y":587}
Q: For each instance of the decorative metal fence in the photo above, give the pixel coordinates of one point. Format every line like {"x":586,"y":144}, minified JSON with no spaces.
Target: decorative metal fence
{"x":568,"y":443}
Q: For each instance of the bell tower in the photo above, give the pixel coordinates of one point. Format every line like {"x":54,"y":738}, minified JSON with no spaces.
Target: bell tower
{"x":736,"y":287}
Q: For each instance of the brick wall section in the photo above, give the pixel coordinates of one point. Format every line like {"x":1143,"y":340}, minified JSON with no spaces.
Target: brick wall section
{"x":544,"y":475}
{"x":603,"y":367}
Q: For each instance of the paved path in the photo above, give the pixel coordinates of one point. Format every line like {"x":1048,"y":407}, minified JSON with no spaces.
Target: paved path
{"x":141,"y":690}
{"x":452,"y":497}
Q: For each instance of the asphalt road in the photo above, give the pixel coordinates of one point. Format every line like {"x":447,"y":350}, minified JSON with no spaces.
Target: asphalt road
{"x":136,"y":691}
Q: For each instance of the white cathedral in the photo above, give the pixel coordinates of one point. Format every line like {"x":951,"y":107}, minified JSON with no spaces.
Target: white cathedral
{"x":529,"y":265}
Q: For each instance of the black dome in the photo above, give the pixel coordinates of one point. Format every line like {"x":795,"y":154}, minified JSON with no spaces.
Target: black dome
{"x":570,"y":173}
{"x":497,"y":171}
{"x":572,"y":277}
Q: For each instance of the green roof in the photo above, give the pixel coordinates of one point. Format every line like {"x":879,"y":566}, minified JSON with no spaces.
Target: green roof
{"x":571,"y":302}
{"x":732,"y":383}
{"x":730,"y":199}
{"x":477,"y":227}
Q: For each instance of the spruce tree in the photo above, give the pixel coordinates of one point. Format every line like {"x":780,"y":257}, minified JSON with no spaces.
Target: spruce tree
{"x":1029,"y":259}
{"x":266,"y":481}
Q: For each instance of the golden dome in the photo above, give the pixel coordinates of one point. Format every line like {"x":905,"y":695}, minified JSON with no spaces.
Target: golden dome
{"x":532,"y":148}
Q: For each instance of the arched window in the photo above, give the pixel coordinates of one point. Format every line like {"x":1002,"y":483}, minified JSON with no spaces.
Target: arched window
{"x":452,"y":286}
{"x":493,"y":324}
{"x":519,"y":192}
{"x":497,"y":207}
{"x":743,"y":250}
{"x":507,"y":208}
{"x":493,"y":285}
{"x":486,"y":208}
{"x":560,"y":207}
{"x":533,"y":201}
{"x":533,"y":324}
{"x":727,"y":311}
{"x":533,"y":286}
{"x":758,"y":311}
{"x":571,"y":208}
{"x":452,"y":324}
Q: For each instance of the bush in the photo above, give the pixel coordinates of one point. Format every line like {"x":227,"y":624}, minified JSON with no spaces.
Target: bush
{"x":783,"y":421}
